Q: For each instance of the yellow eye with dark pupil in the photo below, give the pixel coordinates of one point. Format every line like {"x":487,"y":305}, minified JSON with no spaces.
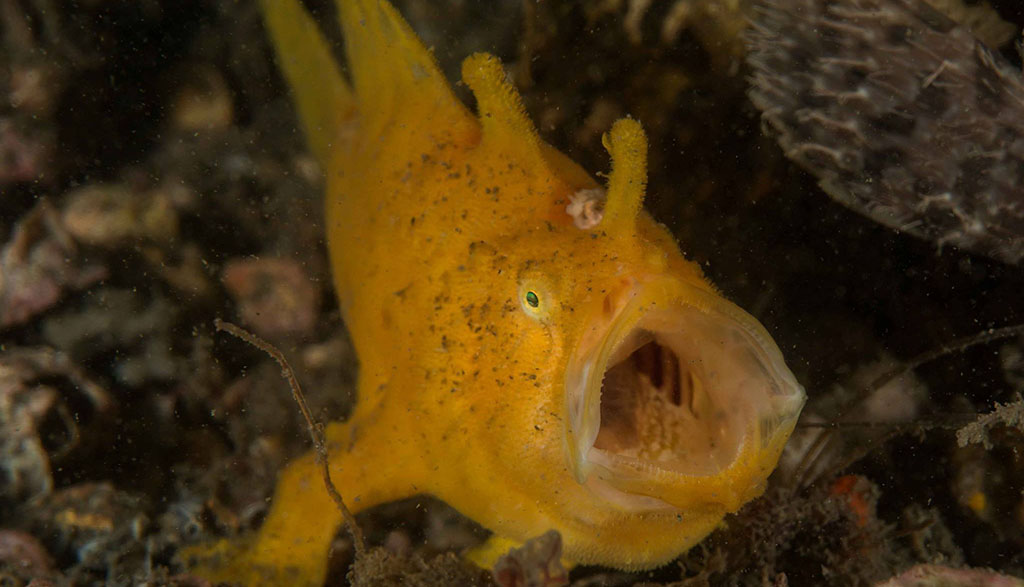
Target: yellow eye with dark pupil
{"x":532,"y":299}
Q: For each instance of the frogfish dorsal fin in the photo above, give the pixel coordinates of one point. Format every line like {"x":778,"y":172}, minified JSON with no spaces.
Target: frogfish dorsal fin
{"x":503,"y":118}
{"x":395,"y":77}
{"x":323,"y":98}
{"x":627,"y":145}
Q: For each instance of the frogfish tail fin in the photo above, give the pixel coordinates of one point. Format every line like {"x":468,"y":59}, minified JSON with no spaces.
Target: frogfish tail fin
{"x":395,"y":77}
{"x":627,"y":145}
{"x":322,"y":96}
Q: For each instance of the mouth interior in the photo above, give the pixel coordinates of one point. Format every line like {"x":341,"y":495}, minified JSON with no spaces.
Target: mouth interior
{"x":682,"y":391}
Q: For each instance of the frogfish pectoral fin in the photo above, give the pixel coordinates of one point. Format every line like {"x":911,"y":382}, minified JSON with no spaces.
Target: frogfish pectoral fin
{"x":291,"y":546}
{"x":293,"y":543}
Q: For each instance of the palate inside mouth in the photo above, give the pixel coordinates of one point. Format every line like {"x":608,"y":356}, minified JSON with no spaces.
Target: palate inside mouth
{"x":661,"y":403}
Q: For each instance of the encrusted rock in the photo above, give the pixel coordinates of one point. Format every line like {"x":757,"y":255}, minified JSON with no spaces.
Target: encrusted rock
{"x":900,"y":113}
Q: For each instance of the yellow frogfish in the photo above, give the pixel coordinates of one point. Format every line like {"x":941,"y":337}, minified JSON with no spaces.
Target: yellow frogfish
{"x":533,"y":348}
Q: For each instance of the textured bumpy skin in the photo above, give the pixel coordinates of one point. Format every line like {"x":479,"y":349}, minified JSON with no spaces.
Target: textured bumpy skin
{"x":438,"y":221}
{"x":901,"y":114}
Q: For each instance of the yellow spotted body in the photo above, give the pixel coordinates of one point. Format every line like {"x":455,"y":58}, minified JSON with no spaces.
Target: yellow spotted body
{"x":470,"y":295}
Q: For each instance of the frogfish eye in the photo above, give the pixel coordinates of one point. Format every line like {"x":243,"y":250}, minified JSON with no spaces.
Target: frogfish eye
{"x":535,"y":299}
{"x":532,"y":300}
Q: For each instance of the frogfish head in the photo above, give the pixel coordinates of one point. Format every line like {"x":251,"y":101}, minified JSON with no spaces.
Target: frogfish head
{"x":672,"y":396}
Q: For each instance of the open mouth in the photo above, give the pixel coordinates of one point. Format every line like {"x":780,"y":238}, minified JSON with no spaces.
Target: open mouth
{"x":656,"y":406}
{"x":676,"y":384}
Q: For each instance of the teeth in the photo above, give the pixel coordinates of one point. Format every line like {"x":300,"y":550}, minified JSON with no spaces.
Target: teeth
{"x":629,"y":345}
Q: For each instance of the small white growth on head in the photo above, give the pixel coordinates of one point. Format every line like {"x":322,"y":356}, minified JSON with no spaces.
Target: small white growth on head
{"x":586,"y":207}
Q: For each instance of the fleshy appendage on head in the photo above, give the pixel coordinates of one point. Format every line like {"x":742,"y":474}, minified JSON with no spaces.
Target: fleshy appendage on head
{"x":627,"y":145}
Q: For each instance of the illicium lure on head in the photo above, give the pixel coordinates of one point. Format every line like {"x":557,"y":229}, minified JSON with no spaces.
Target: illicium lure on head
{"x":533,"y":371}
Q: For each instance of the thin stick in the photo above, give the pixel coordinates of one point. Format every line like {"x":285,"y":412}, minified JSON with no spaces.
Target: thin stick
{"x":821,"y":443}
{"x":316,"y":432}
{"x":901,"y":425}
{"x":957,"y":346}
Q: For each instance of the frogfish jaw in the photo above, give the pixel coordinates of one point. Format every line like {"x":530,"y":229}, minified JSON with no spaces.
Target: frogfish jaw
{"x":677,"y":399}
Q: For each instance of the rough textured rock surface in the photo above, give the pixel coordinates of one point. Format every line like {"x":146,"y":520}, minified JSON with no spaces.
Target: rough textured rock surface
{"x":900,"y":113}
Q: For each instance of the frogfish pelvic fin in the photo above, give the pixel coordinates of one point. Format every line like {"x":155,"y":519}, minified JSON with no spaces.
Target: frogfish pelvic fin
{"x":534,"y":349}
